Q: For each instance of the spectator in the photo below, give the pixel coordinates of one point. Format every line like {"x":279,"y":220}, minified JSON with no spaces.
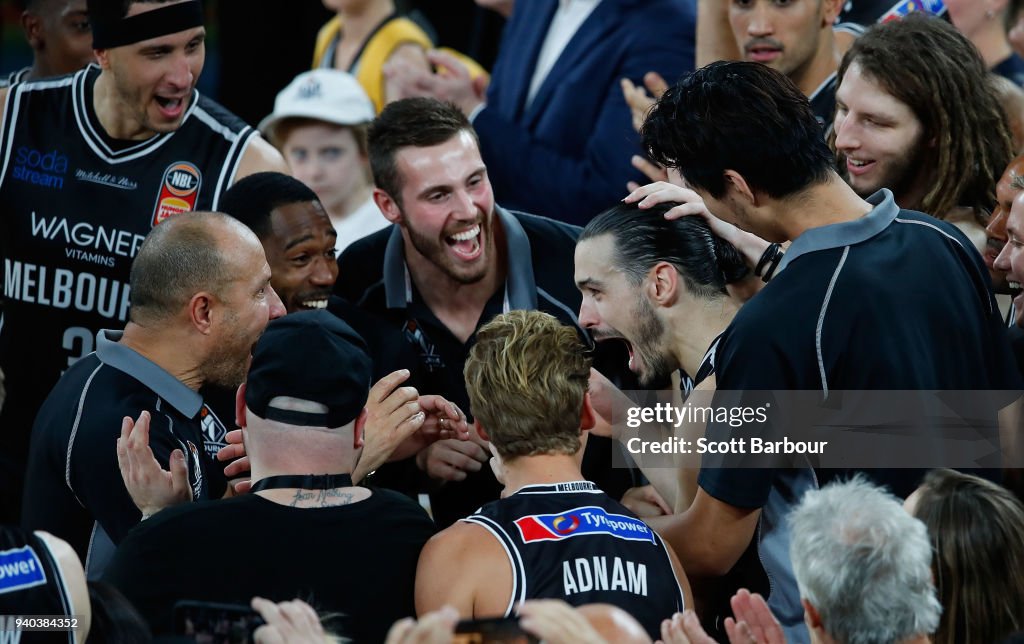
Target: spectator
{"x":976,"y":529}
{"x":984,"y":24}
{"x":863,"y":566}
{"x":58,"y":33}
{"x":192,"y":327}
{"x":319,"y":124}
{"x":303,"y":422}
{"x":82,"y":193}
{"x":554,"y":130}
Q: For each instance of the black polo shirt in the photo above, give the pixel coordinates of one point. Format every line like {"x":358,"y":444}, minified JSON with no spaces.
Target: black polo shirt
{"x":895,"y":300}
{"x":403,"y":332}
{"x":74,"y":488}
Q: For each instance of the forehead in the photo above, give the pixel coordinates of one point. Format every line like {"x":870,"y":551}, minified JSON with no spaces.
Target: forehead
{"x":295,"y":219}
{"x":1015,"y":221}
{"x":448,"y":162}
{"x":317,"y":134}
{"x":859,"y":90}
{"x":594,"y":258}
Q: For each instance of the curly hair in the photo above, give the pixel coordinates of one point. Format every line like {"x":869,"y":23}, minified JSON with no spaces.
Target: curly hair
{"x":927,"y":64}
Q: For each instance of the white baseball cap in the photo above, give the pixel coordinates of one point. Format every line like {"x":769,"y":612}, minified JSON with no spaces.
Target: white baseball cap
{"x":327,"y":95}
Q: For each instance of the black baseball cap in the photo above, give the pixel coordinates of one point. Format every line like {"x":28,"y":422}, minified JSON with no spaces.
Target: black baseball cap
{"x":314,"y":356}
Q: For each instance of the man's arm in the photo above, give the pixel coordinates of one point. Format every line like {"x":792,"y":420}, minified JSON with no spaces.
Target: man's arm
{"x":464,"y":567}
{"x":714,"y":35}
{"x":710,"y":537}
{"x":260,"y":156}
{"x":3,"y":106}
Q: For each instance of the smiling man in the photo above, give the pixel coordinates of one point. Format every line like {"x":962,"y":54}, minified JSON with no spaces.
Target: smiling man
{"x":452,"y":261}
{"x":92,"y":162}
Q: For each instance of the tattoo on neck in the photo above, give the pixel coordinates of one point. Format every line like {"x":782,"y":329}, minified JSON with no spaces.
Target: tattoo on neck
{"x":321,"y":498}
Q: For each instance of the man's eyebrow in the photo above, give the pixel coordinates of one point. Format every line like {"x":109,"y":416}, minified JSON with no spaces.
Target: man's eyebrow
{"x":589,"y":282}
{"x":299,"y":240}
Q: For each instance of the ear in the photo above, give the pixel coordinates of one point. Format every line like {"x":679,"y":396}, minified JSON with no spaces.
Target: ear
{"x":811,"y":616}
{"x":200,"y":312}
{"x":480,"y":430}
{"x":102,"y":58}
{"x":663,"y":284}
{"x":588,"y":418}
{"x":240,"y":405}
{"x":830,"y":10}
{"x":360,"y":426}
{"x":32,"y":25}
{"x":736,"y":187}
{"x":387,"y":205}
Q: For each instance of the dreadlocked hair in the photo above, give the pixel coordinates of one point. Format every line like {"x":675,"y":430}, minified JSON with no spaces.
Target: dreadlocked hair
{"x":924,"y":62}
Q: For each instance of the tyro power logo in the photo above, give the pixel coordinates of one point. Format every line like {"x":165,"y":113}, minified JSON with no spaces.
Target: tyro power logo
{"x":45,"y":169}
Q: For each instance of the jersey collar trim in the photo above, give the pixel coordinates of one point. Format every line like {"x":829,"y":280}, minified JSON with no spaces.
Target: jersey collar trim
{"x":846,"y":233}
{"x":89,"y":126}
{"x":520,"y":285}
{"x":553,"y":488}
{"x":111,"y":352}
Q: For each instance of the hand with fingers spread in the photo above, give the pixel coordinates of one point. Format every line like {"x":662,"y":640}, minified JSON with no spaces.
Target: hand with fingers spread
{"x":690,"y":203}
{"x":238,"y":470}
{"x":436,"y":627}
{"x":151,"y":487}
{"x":444,"y":420}
{"x":452,"y":460}
{"x":639,"y":101}
{"x":290,"y":622}
{"x":451,"y":82}
{"x":393,"y":415}
{"x":684,"y":628}
{"x":754,"y":623}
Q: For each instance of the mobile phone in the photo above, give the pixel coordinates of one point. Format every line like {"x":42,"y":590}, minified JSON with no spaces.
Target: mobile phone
{"x":495,"y":630}
{"x":213,"y":623}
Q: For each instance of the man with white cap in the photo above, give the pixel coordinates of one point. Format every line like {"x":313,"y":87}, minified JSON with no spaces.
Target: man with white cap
{"x":319,"y":123}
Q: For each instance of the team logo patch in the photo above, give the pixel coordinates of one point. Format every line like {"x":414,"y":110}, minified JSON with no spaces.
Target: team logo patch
{"x":214,"y":432}
{"x":582,"y":521}
{"x":179,"y":191}
{"x":20,"y":569}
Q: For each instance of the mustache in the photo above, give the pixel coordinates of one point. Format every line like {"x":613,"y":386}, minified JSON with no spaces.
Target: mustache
{"x":757,"y":43}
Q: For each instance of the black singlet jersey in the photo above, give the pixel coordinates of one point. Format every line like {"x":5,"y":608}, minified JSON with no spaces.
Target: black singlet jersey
{"x":573,"y":542}
{"x":75,"y":206}
{"x":14,"y":77}
{"x":31,"y":583}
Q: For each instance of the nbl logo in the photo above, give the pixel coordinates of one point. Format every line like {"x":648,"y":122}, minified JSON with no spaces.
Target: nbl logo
{"x":179,"y":191}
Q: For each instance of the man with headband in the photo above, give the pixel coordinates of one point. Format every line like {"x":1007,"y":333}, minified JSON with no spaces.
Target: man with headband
{"x":89,"y":164}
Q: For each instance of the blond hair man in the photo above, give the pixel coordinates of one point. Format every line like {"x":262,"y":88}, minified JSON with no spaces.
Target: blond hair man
{"x":553,"y":534}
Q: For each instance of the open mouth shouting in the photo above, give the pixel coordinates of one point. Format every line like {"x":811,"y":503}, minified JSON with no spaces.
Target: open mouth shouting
{"x":466,"y":245}
{"x":171,"y":107}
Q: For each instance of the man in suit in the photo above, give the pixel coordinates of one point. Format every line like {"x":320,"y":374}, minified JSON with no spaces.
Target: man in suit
{"x":555,"y":131}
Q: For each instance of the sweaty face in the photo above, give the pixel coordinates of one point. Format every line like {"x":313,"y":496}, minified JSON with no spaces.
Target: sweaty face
{"x":247,"y":302}
{"x":783,"y":34}
{"x":326,"y":158}
{"x":879,"y":141}
{"x":154,"y":79}
{"x":447,"y":209}
{"x":300,"y":251}
{"x":1011,"y":258}
{"x":615,"y":309}
{"x":66,"y":38}
{"x":995,"y":232}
